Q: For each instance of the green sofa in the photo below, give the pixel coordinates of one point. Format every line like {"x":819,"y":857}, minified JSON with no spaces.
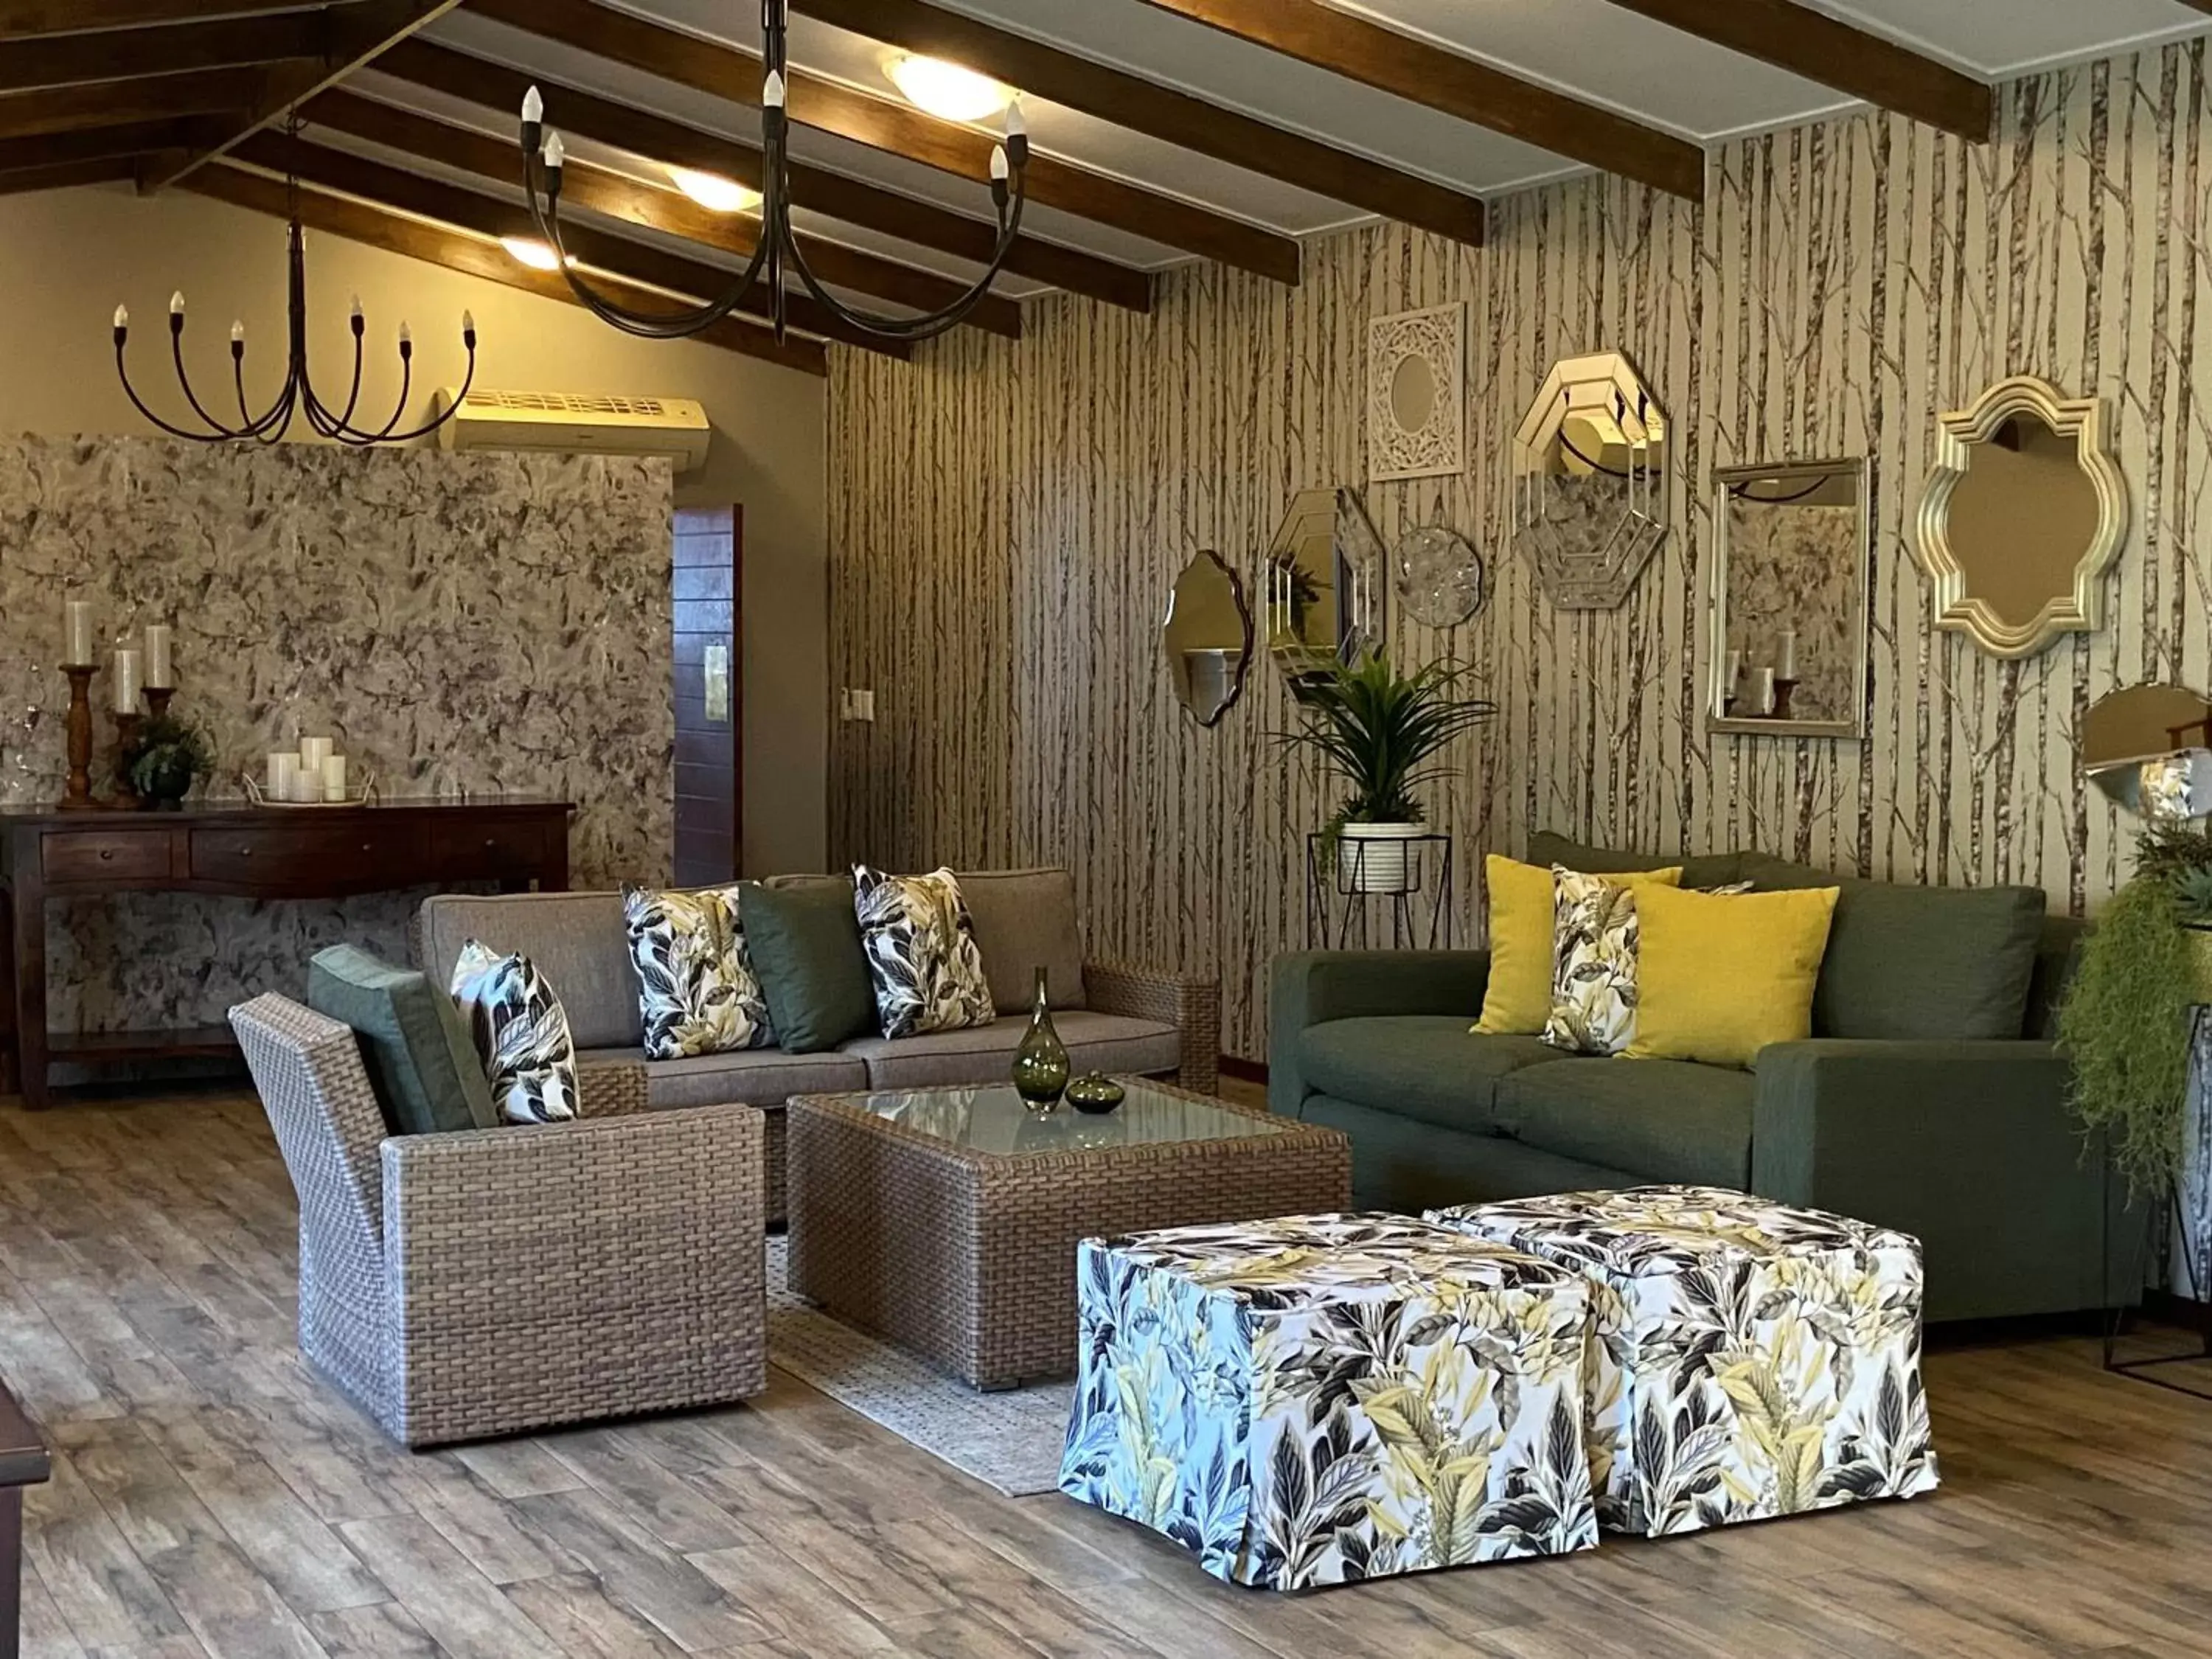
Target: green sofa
{"x":1929,"y":1098}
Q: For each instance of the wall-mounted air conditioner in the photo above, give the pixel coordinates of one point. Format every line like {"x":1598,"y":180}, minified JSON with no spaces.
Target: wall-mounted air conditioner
{"x":569,"y":424}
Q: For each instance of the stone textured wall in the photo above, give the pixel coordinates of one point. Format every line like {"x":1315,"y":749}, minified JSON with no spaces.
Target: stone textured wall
{"x":458,"y":622}
{"x":1007,"y":518}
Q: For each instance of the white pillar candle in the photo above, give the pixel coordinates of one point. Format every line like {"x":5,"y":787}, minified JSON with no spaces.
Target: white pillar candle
{"x":128,"y":679}
{"x":1762,"y":691}
{"x":313,"y":751}
{"x":76,"y":629}
{"x":282,"y":763}
{"x":1735,"y":673}
{"x":334,"y":778}
{"x":1788,"y":669}
{"x":307,"y":783}
{"x":161,"y":672}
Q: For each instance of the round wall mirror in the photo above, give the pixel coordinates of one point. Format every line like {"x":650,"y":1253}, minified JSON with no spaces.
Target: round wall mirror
{"x":1207,"y":637}
{"x":1413,"y":393}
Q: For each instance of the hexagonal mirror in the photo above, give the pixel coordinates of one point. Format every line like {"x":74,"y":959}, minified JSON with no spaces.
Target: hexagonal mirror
{"x":1325,"y":573}
{"x":1589,"y":481}
{"x":1207,"y":637}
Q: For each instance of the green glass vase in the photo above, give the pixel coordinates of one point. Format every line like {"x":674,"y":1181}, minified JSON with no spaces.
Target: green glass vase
{"x":1041,"y":1063}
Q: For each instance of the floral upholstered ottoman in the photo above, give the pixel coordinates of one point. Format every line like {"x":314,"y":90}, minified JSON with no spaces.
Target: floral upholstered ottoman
{"x":1323,"y":1399}
{"x":1749,"y":1360}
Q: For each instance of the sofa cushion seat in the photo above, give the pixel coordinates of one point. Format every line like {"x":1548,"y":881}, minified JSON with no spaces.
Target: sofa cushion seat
{"x":1669,"y":1121}
{"x":748,"y":1077}
{"x":984,"y":1053}
{"x":1428,"y":1068}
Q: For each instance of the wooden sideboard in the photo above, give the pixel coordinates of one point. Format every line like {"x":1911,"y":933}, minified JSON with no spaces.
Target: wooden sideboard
{"x":243,"y":852}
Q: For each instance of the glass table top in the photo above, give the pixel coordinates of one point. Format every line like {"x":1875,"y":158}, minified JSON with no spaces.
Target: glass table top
{"x":997,"y":1120}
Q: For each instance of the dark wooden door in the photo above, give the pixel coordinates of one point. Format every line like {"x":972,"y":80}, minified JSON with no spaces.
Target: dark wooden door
{"x":710,"y":697}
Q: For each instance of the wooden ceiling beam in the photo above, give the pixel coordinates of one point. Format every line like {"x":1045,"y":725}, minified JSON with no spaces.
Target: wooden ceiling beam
{"x":466,"y":210}
{"x":1162,"y":113}
{"x":99,"y":144}
{"x":619,"y":197}
{"x":897,"y":128}
{"x":472,"y":256}
{"x":1830,"y":53}
{"x":1458,"y":86}
{"x":57,"y":60}
{"x":120,"y":103}
{"x":23,"y":19}
{"x":440,"y":69}
{"x":355,"y":34}
{"x":65,"y":175}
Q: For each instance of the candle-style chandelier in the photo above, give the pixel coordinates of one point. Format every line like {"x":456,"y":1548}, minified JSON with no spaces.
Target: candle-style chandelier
{"x":779,"y":252}
{"x":297,"y":397}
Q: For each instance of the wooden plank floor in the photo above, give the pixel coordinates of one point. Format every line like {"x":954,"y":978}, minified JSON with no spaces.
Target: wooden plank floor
{"x":211,"y":1497}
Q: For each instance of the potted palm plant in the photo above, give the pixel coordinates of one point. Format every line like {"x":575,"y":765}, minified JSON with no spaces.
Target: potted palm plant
{"x":1380,"y":730}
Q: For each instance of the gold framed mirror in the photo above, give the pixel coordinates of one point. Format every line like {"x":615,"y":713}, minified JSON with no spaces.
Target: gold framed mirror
{"x":2025,"y":512}
{"x":1591,"y":461}
{"x":1206,"y":637}
{"x":1325,"y":571}
{"x":1789,"y":623}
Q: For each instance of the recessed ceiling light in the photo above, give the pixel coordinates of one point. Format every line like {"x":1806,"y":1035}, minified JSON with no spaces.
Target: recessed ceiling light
{"x":947,"y":91}
{"x":713,"y":192}
{"x":529,"y":250}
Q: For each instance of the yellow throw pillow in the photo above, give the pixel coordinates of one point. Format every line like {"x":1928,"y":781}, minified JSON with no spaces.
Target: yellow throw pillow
{"x":1518,"y":1000}
{"x":1720,"y":976}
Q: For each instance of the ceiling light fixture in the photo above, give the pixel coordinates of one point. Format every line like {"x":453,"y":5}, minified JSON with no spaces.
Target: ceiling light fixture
{"x":946,"y":90}
{"x":713,"y":192}
{"x":529,"y":250}
{"x":297,"y":397}
{"x":779,"y":255}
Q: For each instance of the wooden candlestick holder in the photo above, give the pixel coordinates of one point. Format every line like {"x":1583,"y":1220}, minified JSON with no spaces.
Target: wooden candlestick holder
{"x":127,"y":797}
{"x":79,"y":798}
{"x":157,"y":700}
{"x":1782,"y":690}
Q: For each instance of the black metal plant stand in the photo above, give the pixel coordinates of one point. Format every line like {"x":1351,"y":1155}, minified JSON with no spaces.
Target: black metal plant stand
{"x":1347,"y":881}
{"x":2190,"y":1192}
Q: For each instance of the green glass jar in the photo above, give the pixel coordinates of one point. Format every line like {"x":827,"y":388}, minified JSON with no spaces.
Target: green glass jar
{"x":1041,"y":1063}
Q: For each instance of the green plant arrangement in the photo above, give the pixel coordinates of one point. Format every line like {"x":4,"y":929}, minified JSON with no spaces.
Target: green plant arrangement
{"x":2124,"y":1023}
{"x":1380,"y":730}
{"x":170,"y":755}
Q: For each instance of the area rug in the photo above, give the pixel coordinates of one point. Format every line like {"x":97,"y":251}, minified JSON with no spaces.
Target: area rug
{"x":1009,"y":1440}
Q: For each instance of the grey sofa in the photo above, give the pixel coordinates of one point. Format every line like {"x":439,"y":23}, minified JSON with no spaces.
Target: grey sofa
{"x":1112,"y":1018}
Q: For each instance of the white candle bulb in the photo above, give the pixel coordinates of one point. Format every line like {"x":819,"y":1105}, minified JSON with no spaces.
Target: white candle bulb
{"x":123,"y":316}
{"x":468,"y":322}
{"x":772,"y":90}
{"x":177,"y":303}
{"x":237,"y":333}
{"x":1015,"y":125}
{"x":405,"y":338}
{"x":998,"y":163}
{"x":557,"y":151}
{"x":533,"y":105}
{"x":357,"y":308}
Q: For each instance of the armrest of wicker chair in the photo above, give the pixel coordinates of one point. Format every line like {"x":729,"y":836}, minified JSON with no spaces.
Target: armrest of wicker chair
{"x":612,"y":1088}
{"x":566,"y":1272}
{"x":1191,"y":1004}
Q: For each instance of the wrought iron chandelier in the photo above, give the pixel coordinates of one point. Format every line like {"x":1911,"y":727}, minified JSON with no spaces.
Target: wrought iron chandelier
{"x":297,"y":397}
{"x":778,"y":253}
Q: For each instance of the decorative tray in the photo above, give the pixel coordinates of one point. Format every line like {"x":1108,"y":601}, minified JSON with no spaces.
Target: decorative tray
{"x":365,"y":796}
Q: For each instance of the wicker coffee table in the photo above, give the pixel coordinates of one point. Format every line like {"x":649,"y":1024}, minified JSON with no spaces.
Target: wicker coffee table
{"x":947,"y":1219}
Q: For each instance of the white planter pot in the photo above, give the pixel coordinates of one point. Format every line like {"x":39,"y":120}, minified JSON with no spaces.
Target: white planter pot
{"x":1371,"y":858}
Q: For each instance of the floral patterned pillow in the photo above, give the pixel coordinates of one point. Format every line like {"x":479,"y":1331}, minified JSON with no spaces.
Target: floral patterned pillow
{"x":521,"y":1034}
{"x":923,"y":960}
{"x":697,"y":990}
{"x":1593,"y":964}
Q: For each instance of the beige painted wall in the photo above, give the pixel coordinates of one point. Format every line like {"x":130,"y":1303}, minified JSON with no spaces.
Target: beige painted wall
{"x":67,"y":257}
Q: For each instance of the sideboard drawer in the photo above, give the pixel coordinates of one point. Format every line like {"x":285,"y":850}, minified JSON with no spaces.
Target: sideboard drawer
{"x":489,"y":852}
{"x":105,"y":854}
{"x":329,"y":858}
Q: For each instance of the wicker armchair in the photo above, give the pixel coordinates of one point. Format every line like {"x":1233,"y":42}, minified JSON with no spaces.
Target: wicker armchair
{"x":457,"y":1286}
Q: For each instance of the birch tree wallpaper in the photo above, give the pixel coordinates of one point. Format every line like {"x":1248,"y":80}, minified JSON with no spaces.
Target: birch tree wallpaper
{"x":1007,"y":518}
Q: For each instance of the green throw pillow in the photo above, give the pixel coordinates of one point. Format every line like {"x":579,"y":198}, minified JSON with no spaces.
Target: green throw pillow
{"x":422,"y":1065}
{"x":1906,"y":963}
{"x":805,"y":947}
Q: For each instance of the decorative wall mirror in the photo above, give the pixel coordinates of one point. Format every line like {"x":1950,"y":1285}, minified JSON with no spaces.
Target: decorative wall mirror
{"x":1207,"y":637}
{"x":1788,"y":599}
{"x":2025,"y":512}
{"x":2148,"y":747}
{"x":1417,"y":393}
{"x":1589,"y":481}
{"x":1440,"y":576}
{"x":1325,"y":573}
